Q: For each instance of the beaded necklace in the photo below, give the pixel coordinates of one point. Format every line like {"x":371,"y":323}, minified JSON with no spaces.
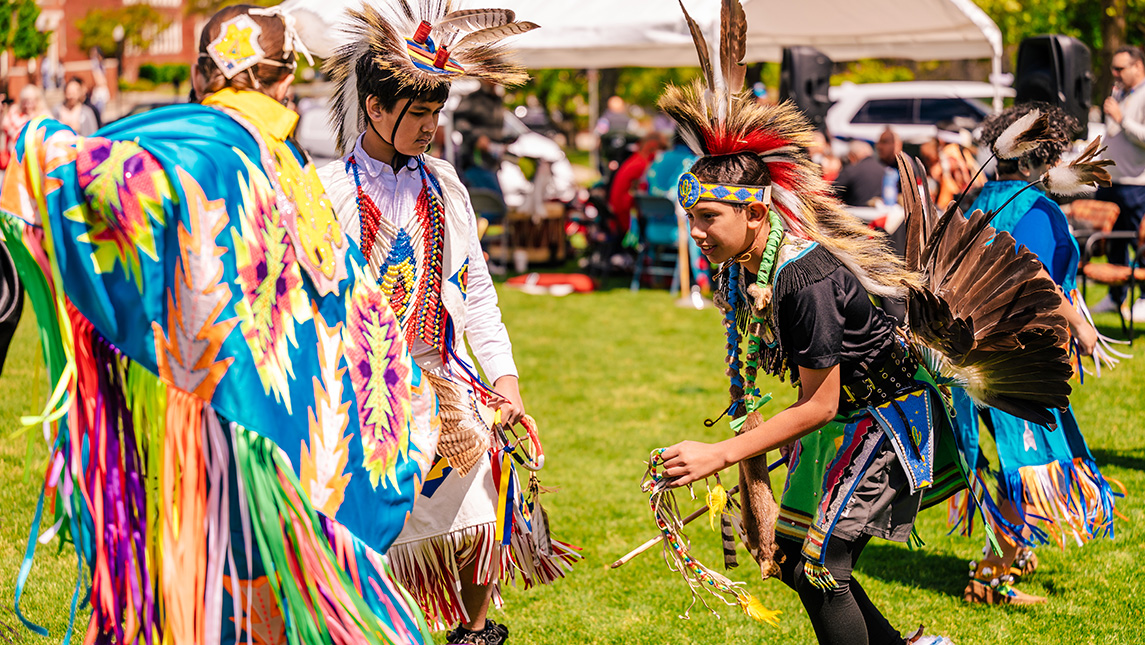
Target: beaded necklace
{"x":742,"y":390}
{"x":427,"y":320}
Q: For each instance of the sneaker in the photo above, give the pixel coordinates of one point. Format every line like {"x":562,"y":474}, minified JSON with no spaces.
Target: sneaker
{"x":1105,"y":306}
{"x":492,"y":634}
{"x":1138,"y":310}
{"x":918,"y":638}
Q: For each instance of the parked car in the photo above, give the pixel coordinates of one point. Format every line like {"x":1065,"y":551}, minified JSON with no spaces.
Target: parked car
{"x":913,"y":109}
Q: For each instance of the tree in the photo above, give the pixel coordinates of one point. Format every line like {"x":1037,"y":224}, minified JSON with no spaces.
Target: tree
{"x":19,"y":33}
{"x":1103,"y":25}
{"x":140,"y":22}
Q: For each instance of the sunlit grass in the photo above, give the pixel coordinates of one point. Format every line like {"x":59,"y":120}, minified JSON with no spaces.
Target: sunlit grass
{"x":610,"y":376}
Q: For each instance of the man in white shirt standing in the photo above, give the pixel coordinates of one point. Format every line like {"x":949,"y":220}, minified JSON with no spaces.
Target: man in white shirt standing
{"x":1125,"y":137}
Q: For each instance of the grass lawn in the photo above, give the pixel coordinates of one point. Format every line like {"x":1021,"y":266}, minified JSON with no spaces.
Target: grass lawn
{"x":612,"y":375}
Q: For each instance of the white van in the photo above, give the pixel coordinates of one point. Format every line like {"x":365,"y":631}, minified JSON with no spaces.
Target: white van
{"x":913,"y":109}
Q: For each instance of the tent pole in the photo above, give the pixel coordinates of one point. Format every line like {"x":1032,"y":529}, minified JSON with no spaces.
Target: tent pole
{"x":594,"y":116}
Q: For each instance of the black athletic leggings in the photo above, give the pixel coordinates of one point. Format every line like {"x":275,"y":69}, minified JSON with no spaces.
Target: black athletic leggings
{"x":844,"y":615}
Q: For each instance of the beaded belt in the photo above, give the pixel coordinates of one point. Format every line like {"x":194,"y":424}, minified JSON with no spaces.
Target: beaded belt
{"x":893,"y":377}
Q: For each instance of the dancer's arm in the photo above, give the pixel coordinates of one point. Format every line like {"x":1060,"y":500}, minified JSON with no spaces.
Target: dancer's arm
{"x":487,"y":334}
{"x":691,"y":461}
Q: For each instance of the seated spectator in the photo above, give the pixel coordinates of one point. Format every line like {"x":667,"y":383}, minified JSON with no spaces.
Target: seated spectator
{"x":861,"y":180}
{"x":624,"y":182}
{"x":664,"y":172}
{"x":820,"y":151}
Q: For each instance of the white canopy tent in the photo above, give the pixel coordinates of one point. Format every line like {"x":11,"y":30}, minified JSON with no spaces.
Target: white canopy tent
{"x":596,"y":34}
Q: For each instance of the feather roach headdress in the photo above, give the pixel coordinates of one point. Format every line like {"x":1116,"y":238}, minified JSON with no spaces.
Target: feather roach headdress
{"x":716,"y":117}
{"x":424,"y":44}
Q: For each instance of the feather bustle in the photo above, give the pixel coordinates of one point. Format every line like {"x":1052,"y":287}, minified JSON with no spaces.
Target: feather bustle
{"x":989,"y":311}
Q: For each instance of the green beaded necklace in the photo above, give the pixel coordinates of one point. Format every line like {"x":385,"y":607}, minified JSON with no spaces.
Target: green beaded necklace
{"x":744,"y":397}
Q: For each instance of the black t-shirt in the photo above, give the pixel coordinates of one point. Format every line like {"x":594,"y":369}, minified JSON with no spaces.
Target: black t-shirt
{"x":833,"y":322}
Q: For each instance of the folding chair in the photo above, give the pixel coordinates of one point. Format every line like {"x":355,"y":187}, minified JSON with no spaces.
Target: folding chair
{"x":659,"y":253}
{"x":490,"y":207}
{"x":1101,"y":216}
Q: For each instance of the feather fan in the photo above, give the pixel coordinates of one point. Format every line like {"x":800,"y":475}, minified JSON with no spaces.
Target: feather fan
{"x":986,"y":316}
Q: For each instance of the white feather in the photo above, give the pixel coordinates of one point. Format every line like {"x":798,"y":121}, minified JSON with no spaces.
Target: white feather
{"x":1066,"y":180}
{"x":1007,"y":146}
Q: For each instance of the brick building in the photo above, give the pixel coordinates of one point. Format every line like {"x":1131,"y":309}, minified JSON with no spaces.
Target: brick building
{"x":175,"y":44}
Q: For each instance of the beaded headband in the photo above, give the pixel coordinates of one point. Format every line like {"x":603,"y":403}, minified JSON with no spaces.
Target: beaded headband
{"x":691,"y":191}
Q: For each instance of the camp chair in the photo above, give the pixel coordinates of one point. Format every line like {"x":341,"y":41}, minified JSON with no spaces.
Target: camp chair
{"x":491,"y":209}
{"x":1101,"y":216}
{"x":659,"y":253}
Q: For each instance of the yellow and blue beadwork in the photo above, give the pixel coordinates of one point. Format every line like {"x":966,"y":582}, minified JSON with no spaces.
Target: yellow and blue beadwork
{"x":691,"y":190}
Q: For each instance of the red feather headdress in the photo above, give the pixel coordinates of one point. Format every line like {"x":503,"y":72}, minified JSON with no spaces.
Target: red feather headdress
{"x":716,"y":117}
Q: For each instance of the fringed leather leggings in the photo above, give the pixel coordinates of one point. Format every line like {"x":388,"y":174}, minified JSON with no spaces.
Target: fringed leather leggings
{"x":844,"y":615}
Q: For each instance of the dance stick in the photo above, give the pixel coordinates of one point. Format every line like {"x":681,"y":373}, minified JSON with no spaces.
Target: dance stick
{"x":656,"y":540}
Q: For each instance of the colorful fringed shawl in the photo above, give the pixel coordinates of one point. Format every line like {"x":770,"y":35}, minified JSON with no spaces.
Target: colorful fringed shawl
{"x":1049,"y":476}
{"x":230,"y":431}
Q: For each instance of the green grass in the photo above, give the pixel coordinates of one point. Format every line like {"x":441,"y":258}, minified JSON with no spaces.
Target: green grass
{"x":612,"y":375}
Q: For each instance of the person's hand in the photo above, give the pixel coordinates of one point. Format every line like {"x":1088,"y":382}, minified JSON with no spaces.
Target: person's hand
{"x":512,"y":408}
{"x":1113,"y":109}
{"x":691,"y":461}
{"x":1086,"y":337}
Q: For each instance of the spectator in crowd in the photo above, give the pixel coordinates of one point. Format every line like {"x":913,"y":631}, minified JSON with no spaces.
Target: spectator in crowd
{"x":888,"y":147}
{"x":820,"y":152}
{"x":950,"y":166}
{"x":861,"y":180}
{"x":29,"y":106}
{"x":628,"y":176}
{"x":616,"y":130}
{"x":100,"y":95}
{"x":74,"y":112}
{"x":663,"y":180}
{"x":1125,"y":138}
{"x":480,"y":118}
{"x":615,"y":119}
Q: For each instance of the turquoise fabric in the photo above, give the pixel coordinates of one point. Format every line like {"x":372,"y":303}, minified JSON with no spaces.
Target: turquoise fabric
{"x":1037,"y":223}
{"x":164,"y":225}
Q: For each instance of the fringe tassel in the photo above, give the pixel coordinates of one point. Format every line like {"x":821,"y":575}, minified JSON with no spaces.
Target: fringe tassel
{"x":819,"y":576}
{"x":1057,"y":500}
{"x":1071,"y":499}
{"x":138,"y":479}
{"x":318,"y":599}
{"x":431,"y":569}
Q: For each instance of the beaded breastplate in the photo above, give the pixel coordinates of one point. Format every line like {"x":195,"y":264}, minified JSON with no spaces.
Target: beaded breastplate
{"x":407,"y":260}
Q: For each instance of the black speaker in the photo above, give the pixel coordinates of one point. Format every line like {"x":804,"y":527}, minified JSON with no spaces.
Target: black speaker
{"x":804,"y":77}
{"x":1056,"y":70}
